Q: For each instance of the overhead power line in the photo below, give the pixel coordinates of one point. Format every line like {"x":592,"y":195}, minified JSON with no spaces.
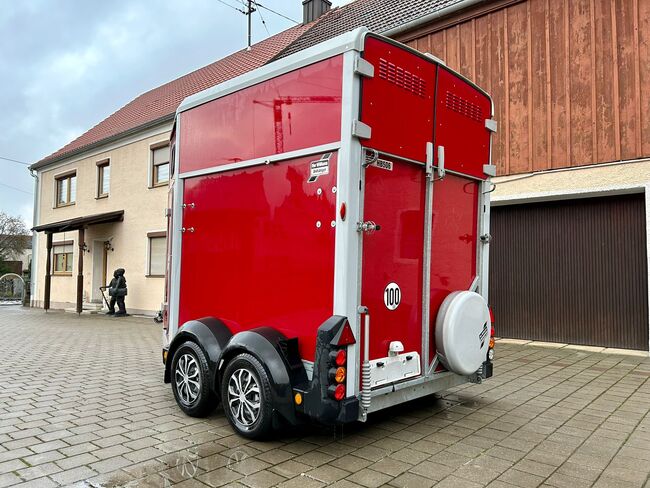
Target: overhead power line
{"x":276,"y":13}
{"x":14,"y":161}
{"x":232,"y":7}
{"x":262,"y":18}
{"x":17,"y":189}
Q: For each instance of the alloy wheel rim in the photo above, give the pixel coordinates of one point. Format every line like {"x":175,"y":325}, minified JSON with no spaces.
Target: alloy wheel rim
{"x":187,"y":376}
{"x":244,"y":397}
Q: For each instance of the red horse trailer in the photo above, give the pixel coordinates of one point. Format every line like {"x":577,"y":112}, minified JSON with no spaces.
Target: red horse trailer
{"x":328,"y":237}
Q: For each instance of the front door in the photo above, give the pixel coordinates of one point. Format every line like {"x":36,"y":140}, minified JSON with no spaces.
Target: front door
{"x":100,"y":265}
{"x":392,"y":260}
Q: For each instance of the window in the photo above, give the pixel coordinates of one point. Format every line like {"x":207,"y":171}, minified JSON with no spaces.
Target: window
{"x":160,"y":170}
{"x":66,"y":189}
{"x":62,"y":257}
{"x":157,"y":253}
{"x":103,"y":178}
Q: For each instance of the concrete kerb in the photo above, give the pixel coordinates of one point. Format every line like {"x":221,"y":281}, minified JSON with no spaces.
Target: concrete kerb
{"x":576,"y":347}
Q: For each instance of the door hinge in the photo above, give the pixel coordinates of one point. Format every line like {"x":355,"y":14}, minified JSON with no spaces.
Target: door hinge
{"x":188,"y":229}
{"x":361,"y":130}
{"x":491,"y":125}
{"x":363,"y":67}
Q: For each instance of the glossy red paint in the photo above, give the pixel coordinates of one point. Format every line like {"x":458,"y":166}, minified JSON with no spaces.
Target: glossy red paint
{"x":397,"y":103}
{"x":461,"y":111}
{"x":453,"y":236}
{"x":395,"y":201}
{"x":296,"y":110}
{"x":256,"y":256}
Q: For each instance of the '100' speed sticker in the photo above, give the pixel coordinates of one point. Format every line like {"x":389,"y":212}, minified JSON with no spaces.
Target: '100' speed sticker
{"x":392,"y":296}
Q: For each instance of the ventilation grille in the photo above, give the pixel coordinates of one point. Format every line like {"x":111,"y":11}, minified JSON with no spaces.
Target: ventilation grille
{"x":463,"y":107}
{"x":402,"y":78}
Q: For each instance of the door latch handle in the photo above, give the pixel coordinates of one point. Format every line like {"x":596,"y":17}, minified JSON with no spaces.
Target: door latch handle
{"x":368,"y":226}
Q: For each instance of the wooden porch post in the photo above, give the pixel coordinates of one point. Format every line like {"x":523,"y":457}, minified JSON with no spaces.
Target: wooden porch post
{"x":48,"y":272}
{"x":80,"y":273}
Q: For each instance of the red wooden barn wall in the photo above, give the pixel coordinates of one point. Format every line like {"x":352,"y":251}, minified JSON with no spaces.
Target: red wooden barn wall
{"x":570,"y":79}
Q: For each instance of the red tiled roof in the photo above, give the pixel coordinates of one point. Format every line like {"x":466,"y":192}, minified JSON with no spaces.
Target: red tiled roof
{"x":159,"y":103}
{"x":377,"y":15}
{"x":163,"y":101}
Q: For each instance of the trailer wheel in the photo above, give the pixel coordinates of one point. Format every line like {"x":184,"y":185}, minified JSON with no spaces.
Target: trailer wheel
{"x":191,"y":380}
{"x":246,"y":397}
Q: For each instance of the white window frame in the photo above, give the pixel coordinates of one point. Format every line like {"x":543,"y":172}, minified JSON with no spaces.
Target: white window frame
{"x":151,"y":172}
{"x":155,"y":234}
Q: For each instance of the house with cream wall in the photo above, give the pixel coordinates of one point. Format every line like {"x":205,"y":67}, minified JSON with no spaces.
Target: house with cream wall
{"x":100,"y":201}
{"x":129,"y":179}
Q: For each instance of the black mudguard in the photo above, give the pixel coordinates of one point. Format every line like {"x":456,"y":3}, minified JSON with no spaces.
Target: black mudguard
{"x":280,"y":358}
{"x":212,"y":336}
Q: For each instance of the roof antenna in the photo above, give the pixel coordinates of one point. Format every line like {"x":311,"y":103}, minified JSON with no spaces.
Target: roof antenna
{"x":248,"y":4}
{"x":249,"y":14}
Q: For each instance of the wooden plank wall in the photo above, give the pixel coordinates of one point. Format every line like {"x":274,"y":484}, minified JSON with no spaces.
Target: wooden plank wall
{"x":570,"y":79}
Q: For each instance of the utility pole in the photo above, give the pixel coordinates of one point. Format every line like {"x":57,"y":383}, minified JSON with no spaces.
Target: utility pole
{"x":249,"y":14}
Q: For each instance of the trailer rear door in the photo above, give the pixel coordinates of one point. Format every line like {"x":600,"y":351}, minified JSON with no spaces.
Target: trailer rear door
{"x":392,"y":262}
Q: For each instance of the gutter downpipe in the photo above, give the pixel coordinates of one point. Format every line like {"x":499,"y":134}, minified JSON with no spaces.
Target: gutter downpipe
{"x":33,"y":277}
{"x":463,"y":4}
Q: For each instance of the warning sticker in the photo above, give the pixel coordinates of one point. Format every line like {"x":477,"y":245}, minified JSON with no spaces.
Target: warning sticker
{"x":383,"y":164}
{"x":319,"y":167}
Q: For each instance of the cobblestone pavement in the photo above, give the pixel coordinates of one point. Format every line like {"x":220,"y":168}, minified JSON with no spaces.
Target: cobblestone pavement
{"x":82,"y":403}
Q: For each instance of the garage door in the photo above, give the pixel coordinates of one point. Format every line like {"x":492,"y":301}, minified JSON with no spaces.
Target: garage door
{"x":573,"y":271}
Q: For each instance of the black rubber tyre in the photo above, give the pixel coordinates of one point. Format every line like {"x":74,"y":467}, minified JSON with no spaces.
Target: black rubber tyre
{"x":250,"y":409}
{"x":190,"y":378}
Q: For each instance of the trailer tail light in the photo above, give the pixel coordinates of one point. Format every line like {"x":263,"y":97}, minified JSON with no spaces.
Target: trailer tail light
{"x":337,"y":392}
{"x":339,"y":357}
{"x":338,"y":374}
{"x":492,"y":334}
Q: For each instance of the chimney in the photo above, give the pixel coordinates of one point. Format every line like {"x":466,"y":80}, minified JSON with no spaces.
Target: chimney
{"x":312,"y":9}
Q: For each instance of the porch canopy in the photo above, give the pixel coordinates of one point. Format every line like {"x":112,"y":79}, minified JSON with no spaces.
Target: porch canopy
{"x":79,"y":224}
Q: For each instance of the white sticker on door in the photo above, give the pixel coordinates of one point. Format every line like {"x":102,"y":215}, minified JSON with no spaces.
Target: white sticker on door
{"x":319,"y":167}
{"x":392,"y":296}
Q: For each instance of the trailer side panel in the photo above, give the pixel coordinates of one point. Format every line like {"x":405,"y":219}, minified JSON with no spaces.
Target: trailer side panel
{"x":258,"y":248}
{"x":296,"y":110}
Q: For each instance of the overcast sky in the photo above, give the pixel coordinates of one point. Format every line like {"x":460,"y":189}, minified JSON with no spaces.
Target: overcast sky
{"x":65,"y":65}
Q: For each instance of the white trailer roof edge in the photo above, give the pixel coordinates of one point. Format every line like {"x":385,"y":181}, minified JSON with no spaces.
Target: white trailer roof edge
{"x":350,"y":41}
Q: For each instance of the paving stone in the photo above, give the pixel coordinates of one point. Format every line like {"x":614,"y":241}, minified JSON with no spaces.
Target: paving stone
{"x":549,"y":417}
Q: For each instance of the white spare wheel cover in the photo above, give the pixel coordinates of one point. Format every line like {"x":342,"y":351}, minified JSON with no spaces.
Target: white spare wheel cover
{"x":463,"y":332}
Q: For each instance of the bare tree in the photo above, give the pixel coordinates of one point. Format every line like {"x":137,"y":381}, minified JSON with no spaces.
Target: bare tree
{"x":14,"y":237}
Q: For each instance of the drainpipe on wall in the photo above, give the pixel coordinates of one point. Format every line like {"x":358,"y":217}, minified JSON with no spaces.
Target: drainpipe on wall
{"x":33,"y":278}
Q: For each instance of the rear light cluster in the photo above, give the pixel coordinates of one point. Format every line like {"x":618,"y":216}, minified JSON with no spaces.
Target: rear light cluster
{"x":337,"y":373}
{"x":490,"y":353}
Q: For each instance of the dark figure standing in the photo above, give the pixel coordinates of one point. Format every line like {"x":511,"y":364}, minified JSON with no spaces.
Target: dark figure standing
{"x":117,"y":292}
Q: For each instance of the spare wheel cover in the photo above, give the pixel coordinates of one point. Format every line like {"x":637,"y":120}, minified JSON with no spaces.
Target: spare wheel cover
{"x":462,"y":332}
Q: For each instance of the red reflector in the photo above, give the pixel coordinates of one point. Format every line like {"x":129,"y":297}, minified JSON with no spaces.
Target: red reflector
{"x":491,"y":315}
{"x":344,"y":336}
{"x":337,"y":392}
{"x":343,"y":211}
{"x":492,"y":332}
{"x":341,"y":357}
